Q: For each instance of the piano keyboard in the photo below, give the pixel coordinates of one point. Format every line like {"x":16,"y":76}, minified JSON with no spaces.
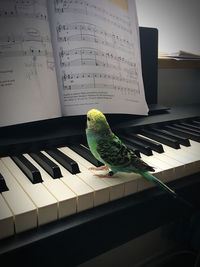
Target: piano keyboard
{"x":37,"y":188}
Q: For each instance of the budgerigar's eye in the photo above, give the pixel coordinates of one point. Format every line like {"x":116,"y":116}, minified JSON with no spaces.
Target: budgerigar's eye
{"x":88,"y":119}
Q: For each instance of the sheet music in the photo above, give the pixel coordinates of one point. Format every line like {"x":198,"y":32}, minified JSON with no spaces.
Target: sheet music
{"x":28,"y":86}
{"x":96,"y":48}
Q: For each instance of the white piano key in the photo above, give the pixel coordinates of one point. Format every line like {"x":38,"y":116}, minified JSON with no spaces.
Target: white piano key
{"x":166,"y":169}
{"x":101,"y":189}
{"x":25,"y":212}
{"x":189,"y":161}
{"x":84,"y":193}
{"x":143,"y":183}
{"x":65,"y":197}
{"x":171,"y":168}
{"x":119,"y":185}
{"x":69,"y":152}
{"x":116,"y":186}
{"x":131,"y":182}
{"x":194,"y":149}
{"x":176,"y":165}
{"x":193,"y":152}
{"x":6,"y":220}
{"x":45,"y":202}
{"x":122,"y":184}
{"x":174,"y":169}
{"x":195,"y":145}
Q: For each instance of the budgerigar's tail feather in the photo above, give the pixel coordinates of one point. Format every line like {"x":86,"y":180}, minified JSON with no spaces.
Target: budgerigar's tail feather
{"x":156,"y":181}
{"x":163,"y":186}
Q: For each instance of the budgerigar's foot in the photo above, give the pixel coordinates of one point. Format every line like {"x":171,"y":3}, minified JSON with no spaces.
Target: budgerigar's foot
{"x":101,"y":168}
{"x":108,"y":175}
{"x":111,"y":173}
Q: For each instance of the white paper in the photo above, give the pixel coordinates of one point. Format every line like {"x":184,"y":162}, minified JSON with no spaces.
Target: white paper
{"x":97,"y":53}
{"x":179,"y":55}
{"x":28,"y":86}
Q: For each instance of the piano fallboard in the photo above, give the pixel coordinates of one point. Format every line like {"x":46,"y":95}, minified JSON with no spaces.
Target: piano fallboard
{"x":55,"y":132}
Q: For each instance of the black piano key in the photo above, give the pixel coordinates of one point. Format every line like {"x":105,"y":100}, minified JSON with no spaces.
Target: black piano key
{"x":3,"y":186}
{"x":47,"y":164}
{"x":64,"y":160}
{"x":85,"y":152}
{"x":181,"y":140}
{"x":160,"y":138}
{"x":138,"y":145}
{"x":196,"y":122}
{"x":187,"y":128}
{"x":183,"y":133}
{"x":28,"y":168}
{"x":192,"y":126}
{"x":135,"y":150}
{"x":152,"y":144}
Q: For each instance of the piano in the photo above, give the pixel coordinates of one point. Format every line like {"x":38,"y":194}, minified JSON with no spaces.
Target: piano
{"x":54,"y":210}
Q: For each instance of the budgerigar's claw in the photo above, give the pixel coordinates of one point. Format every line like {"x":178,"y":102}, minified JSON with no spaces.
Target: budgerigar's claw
{"x":108,"y":175}
{"x":101,"y":168}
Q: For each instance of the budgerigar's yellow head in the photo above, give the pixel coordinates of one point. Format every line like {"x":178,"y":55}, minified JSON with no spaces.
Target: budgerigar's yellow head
{"x":96,"y":121}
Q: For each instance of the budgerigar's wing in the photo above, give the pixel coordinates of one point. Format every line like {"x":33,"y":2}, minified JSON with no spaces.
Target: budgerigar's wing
{"x":114,"y":153}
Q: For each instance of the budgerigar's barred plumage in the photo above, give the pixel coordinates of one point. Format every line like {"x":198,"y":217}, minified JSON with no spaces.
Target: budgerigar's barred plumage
{"x":111,"y":151}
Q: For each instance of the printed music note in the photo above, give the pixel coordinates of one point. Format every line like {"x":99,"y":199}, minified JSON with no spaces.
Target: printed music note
{"x":90,"y":9}
{"x":91,"y":41}
{"x":76,"y":81}
{"x":27,"y":9}
{"x":27,"y":69}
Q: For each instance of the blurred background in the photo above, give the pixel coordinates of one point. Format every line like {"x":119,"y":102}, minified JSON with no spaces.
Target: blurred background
{"x":178,"y":24}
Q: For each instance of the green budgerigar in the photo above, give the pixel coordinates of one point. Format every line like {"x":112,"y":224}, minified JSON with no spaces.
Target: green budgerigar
{"x":110,"y":150}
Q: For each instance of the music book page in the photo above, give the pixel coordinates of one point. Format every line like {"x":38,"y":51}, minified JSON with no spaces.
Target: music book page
{"x":97,"y":56}
{"x":28,"y":86}
{"x":181,"y":54}
{"x":68,"y":57}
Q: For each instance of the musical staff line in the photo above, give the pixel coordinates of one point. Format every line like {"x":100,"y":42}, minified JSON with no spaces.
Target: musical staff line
{"x":86,"y":8}
{"x":91,"y":29}
{"x":71,"y":77}
{"x":89,"y":62}
{"x":22,"y":9}
{"x":84,"y":32}
{"x":31,"y":43}
{"x":121,"y":89}
{"x":15,"y":39}
{"x":86,"y":56}
{"x":83,"y":80}
{"x":94,"y":53}
{"x":29,"y":52}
